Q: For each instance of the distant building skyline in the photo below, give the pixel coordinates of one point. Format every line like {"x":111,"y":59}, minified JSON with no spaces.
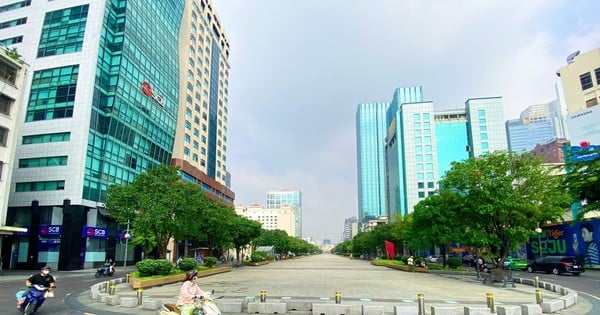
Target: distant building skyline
{"x":537,"y":124}
{"x":282,"y":218}
{"x":276,"y":199}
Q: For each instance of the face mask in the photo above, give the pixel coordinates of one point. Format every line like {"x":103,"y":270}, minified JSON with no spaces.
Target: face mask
{"x":45,"y":272}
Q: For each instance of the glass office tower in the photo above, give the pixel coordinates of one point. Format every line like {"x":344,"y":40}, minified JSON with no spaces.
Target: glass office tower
{"x":293,"y":198}
{"x":537,"y":124}
{"x":100,"y":107}
{"x":370,"y":138}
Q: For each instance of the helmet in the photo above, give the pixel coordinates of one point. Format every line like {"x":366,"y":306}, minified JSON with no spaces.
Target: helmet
{"x":191,"y":274}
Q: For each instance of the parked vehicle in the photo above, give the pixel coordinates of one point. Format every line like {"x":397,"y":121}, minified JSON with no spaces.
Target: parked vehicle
{"x":434,"y":259}
{"x":515,"y":263}
{"x":468,"y":260}
{"x":105,"y":271}
{"x":557,"y":265}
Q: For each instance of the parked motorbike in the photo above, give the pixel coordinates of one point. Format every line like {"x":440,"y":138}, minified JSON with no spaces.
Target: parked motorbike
{"x":105,"y":271}
{"x":204,"y":306}
{"x":34,"y":299}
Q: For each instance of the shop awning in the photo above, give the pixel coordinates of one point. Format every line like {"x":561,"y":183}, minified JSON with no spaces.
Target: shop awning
{"x":9,"y":230}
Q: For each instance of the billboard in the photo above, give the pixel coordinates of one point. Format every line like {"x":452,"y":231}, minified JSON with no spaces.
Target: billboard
{"x":580,"y":239}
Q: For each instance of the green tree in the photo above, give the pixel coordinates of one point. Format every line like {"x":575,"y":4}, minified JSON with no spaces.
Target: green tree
{"x":583,"y":182}
{"x":243,"y":233}
{"x":500,"y":198}
{"x":154,"y":203}
{"x":216,"y":225}
{"x":276,"y":238}
{"x":436,"y":222}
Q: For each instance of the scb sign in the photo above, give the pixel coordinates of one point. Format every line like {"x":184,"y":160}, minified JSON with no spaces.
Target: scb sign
{"x":50,"y":230}
{"x":94,"y":232}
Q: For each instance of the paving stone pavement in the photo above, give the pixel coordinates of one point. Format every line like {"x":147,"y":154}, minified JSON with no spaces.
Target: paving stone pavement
{"x":319,"y":277}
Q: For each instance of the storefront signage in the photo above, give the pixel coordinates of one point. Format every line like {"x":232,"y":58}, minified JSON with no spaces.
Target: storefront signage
{"x":147,"y":90}
{"x":94,"y":232}
{"x":50,"y":230}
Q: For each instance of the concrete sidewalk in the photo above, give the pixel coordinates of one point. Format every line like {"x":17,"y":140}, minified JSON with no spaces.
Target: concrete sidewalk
{"x":317,"y":278}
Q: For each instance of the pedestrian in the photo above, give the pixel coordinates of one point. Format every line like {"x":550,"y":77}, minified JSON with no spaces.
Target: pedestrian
{"x":411,"y":263}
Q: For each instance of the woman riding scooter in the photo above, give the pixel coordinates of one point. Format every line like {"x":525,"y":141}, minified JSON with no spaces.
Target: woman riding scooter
{"x":188,"y":293}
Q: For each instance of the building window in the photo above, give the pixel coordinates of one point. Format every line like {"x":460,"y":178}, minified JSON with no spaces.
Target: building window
{"x":11,"y":41}
{"x":597,"y":73}
{"x":14,"y":6}
{"x":43,"y":161}
{"x":586,"y":81}
{"x":13,"y":23}
{"x":420,"y":185}
{"x":591,"y":102}
{"x":5,"y":104}
{"x":52,"y":93}
{"x":3,"y":136}
{"x":63,"y":31}
{"x":416,"y":117}
{"x":45,"y":138}
{"x":40,"y":186}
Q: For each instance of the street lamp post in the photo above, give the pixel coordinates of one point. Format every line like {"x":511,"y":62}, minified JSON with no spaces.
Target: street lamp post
{"x":538,"y":230}
{"x":126,"y":235}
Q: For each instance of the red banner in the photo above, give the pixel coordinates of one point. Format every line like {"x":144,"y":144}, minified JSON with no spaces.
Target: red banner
{"x":389,"y":248}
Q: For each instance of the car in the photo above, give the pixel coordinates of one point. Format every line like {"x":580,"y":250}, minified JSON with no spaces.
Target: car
{"x":515,"y":263}
{"x":433,"y":258}
{"x":557,"y":265}
{"x":468,"y":260}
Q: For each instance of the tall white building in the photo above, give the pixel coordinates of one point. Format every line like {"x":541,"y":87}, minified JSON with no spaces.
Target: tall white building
{"x":282,"y":218}
{"x":276,"y":199}
{"x":12,"y":75}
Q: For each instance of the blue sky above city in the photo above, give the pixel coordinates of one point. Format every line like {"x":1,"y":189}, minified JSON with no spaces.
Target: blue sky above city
{"x":300,"y":68}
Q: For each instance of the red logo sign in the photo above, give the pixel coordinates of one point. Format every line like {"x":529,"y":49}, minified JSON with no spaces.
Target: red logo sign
{"x":146,"y":88}
{"x":89,"y":232}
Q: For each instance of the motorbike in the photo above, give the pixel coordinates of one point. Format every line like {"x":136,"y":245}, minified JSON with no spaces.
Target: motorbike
{"x":34,"y":298}
{"x":105,"y":271}
{"x":204,"y":306}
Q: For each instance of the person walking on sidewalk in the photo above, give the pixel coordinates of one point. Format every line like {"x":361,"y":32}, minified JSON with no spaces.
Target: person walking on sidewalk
{"x":411,"y":263}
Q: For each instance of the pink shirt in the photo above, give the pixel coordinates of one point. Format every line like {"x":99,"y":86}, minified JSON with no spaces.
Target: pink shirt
{"x":188,"y":291}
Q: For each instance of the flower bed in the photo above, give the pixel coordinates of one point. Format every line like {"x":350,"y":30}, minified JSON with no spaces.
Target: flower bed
{"x":137,"y":283}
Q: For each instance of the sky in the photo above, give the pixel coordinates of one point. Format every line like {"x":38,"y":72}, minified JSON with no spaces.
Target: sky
{"x":299,"y":69}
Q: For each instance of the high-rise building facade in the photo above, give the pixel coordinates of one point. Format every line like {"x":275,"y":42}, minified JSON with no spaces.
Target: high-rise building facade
{"x":351,"y":226}
{"x":276,"y":199}
{"x":101,"y":105}
{"x":370,"y":135}
{"x":537,"y":124}
{"x":12,"y":75}
{"x":422,"y":143}
{"x":581,"y":88}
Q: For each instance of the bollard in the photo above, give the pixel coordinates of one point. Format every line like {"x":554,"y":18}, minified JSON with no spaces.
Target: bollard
{"x":421,"y":302}
{"x":564,"y":291}
{"x":106,"y":286}
{"x":490,"y":301}
{"x":112,"y":289}
{"x":127,"y":278}
{"x":538,"y":297}
{"x":338,"y":298}
{"x":536,"y":282}
{"x":263,"y":295}
{"x":140,"y":294}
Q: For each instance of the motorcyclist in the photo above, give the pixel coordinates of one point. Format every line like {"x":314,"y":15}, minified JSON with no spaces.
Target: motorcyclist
{"x":42,"y":281}
{"x":188,"y":293}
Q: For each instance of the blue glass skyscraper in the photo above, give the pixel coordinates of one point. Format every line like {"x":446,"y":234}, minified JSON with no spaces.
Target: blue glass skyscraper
{"x":370,"y":139}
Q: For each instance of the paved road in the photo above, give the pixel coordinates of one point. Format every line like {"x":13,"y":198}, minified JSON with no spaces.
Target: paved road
{"x":319,"y":277}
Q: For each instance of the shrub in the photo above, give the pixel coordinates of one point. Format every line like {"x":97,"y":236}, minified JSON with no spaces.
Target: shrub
{"x":256,"y":257}
{"x":145,"y":267}
{"x":454,"y":262}
{"x":187,"y":264}
{"x":162,"y":267}
{"x":210,"y":261}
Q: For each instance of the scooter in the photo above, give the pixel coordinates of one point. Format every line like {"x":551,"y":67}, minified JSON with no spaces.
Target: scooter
{"x":204,"y":306}
{"x":34,"y":299}
{"x":104,"y":271}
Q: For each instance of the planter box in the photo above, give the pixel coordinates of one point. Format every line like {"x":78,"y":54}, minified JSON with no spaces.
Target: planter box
{"x":137,"y":283}
{"x":256,"y":263}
